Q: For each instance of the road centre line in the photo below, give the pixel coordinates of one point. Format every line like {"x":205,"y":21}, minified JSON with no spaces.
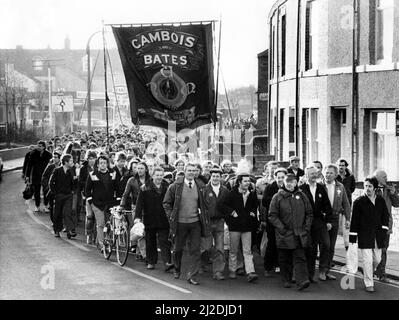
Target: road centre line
{"x":167,"y":284}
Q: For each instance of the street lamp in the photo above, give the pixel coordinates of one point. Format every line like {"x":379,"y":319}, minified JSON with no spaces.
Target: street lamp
{"x":89,"y":82}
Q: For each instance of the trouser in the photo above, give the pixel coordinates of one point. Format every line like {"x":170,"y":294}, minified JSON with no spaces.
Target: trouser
{"x":333,"y":234}
{"x":271,"y":260}
{"x":245,"y":238}
{"x":214,"y":245}
{"x":51,"y":206}
{"x":371,"y":259}
{"x":46,"y":197}
{"x":36,"y":193}
{"x":381,"y":267}
{"x":90,"y":223}
{"x":293,"y":259}
{"x":320,"y":237}
{"x":63,"y":209}
{"x":345,"y":232}
{"x":151,"y":236}
{"x":101,"y":216}
{"x":192,"y":233}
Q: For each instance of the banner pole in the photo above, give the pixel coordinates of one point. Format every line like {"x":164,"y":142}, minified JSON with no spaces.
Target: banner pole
{"x":105,"y":84}
{"x":218,"y":68}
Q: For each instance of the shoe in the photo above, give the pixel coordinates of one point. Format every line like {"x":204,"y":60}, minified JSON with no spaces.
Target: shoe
{"x":57,"y":234}
{"x":277,"y":270}
{"x":240,"y":272}
{"x":330,"y":277}
{"x":64,"y":230}
{"x":312,"y":280}
{"x":139,"y":257}
{"x":36,"y":209}
{"x":46,"y":210}
{"x":193,"y":282}
{"x":150,"y":266}
{"x":370,"y":289}
{"x":69,"y":235}
{"x":73,"y":234}
{"x":268,"y":274}
{"x":176,"y":274}
{"x":169,"y":266}
{"x":287,"y":284}
{"x":322,"y":276}
{"x":303,"y":285}
{"x":232,"y":275}
{"x":252,"y":277}
{"x":218,"y":276}
{"x":384,"y":279}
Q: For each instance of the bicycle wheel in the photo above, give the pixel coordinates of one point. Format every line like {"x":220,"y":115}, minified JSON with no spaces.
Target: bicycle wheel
{"x":108,"y":240}
{"x":122,"y":245}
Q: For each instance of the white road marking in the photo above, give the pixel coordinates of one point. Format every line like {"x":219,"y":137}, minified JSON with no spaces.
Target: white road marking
{"x":167,"y":284}
{"x":361,"y":277}
{"x":37,"y":220}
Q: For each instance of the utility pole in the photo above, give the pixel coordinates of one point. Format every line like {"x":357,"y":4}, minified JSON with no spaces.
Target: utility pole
{"x":355,"y":88}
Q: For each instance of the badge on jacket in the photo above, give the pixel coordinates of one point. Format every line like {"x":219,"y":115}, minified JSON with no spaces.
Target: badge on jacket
{"x":211,"y":194}
{"x":319,"y":195}
{"x":297,"y":197}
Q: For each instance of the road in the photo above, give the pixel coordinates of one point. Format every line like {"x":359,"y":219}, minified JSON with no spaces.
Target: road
{"x":36,"y":265}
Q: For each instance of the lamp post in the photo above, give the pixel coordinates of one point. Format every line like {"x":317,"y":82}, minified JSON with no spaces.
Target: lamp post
{"x":89,"y":81}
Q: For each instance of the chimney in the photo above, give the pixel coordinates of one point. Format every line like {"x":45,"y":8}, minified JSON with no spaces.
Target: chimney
{"x":67,"y":43}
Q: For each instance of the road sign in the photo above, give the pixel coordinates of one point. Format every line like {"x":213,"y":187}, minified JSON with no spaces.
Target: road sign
{"x":62,"y":103}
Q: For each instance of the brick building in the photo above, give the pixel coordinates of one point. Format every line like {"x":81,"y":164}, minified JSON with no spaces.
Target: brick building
{"x":324,"y":113}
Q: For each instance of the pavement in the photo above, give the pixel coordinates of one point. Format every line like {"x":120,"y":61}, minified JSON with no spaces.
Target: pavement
{"x":35,"y":265}
{"x":11,"y":165}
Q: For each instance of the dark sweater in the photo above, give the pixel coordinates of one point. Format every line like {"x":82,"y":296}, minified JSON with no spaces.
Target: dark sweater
{"x":101,"y":188}
{"x":61,"y":182}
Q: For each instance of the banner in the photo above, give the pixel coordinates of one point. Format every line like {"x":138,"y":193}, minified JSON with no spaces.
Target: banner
{"x":169,"y":74}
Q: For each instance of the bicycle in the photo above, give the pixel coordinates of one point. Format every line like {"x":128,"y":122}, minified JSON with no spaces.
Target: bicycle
{"x":117,"y":235}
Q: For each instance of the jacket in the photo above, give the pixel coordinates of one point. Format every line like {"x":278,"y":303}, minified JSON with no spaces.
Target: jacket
{"x":341,"y":203}
{"x":268,"y":194}
{"x":291,"y":214}
{"x":84,"y":173}
{"x":100,"y":192}
{"x":171,"y":204}
{"x":36,"y":165}
{"x":122,"y":178}
{"x":234,"y":202}
{"x":131,"y":192}
{"x":369,"y":222}
{"x":322,"y":210}
{"x":299,"y":173}
{"x":46,"y":177}
{"x":61,"y":182}
{"x":349,"y":183}
{"x":149,"y":207}
{"x":391,"y":200}
{"x":211,"y":201}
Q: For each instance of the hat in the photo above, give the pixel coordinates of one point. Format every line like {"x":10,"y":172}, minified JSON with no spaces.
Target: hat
{"x":294,"y":158}
{"x":290,"y":177}
{"x":216,"y":170}
{"x":168,"y":175}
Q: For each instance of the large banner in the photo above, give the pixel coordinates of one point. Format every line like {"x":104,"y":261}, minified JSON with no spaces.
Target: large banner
{"x":169,"y":74}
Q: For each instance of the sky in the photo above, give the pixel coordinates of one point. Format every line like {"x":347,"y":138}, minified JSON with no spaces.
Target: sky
{"x":37,"y":24}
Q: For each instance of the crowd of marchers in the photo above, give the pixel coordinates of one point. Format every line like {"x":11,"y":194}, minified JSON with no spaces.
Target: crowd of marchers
{"x":219,"y":214}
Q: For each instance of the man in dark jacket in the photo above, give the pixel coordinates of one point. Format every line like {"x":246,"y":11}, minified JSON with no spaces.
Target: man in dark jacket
{"x":291,"y":214}
{"x":369,"y":226}
{"x":149,"y":208}
{"x":61,"y":186}
{"x":271,"y":254}
{"x":184,"y":206}
{"x":322,"y":215}
{"x":100,"y":190}
{"x":38,"y":161}
{"x":26,"y":161}
{"x":214,"y":193}
{"x":48,"y":197}
{"x":239,"y":208}
{"x":294,"y":167}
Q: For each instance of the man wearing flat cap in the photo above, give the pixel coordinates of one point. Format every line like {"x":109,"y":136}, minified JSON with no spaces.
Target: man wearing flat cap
{"x":294,"y":167}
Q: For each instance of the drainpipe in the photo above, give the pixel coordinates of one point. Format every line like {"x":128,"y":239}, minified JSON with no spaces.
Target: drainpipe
{"x":297,"y":83}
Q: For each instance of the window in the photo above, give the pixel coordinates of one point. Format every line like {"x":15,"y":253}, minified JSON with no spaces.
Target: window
{"x":308,"y":37}
{"x":283,"y":43}
{"x":383,"y":144}
{"x":384,"y":30}
{"x":272,"y":54}
{"x":312,"y":135}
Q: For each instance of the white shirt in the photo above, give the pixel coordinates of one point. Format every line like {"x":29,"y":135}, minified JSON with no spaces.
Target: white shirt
{"x":331,"y":192}
{"x":313,"y":191}
{"x":216,"y":189}
{"x":245,"y":196}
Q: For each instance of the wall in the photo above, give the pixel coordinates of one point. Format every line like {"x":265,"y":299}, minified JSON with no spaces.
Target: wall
{"x":11,"y":154}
